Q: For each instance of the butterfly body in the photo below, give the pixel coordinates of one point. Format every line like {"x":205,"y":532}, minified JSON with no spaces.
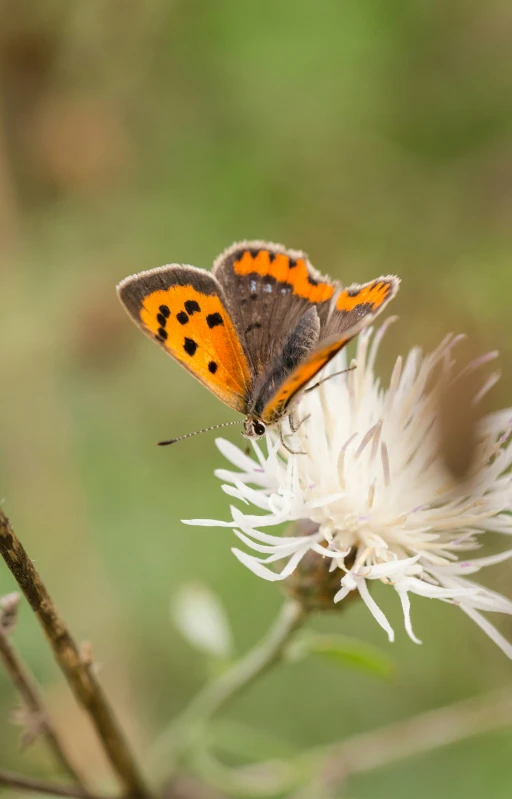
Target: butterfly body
{"x":257,"y":328}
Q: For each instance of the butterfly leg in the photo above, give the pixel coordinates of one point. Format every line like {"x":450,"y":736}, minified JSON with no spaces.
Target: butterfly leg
{"x":312,"y":388}
{"x":294,"y":426}
{"x":285,"y":445}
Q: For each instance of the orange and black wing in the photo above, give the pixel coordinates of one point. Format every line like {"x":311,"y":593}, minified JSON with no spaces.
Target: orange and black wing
{"x":183,"y":309}
{"x":354,"y":309}
{"x":269,"y":289}
{"x":356,"y":306}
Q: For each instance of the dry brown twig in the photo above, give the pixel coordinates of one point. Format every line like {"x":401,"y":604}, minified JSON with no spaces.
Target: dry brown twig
{"x":10,"y":780}
{"x":78,"y":673}
{"x":38,"y":719}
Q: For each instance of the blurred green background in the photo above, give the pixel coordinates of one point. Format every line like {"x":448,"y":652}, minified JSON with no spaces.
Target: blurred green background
{"x":377,"y":137}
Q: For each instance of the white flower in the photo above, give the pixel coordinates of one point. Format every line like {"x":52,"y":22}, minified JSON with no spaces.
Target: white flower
{"x":373,"y":482}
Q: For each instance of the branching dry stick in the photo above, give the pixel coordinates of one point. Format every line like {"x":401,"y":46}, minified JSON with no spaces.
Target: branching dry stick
{"x":78,"y":673}
{"x":10,"y":780}
{"x":28,"y":690}
{"x":395,"y":742}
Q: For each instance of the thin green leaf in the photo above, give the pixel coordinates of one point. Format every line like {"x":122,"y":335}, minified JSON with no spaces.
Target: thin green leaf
{"x":343,"y":651}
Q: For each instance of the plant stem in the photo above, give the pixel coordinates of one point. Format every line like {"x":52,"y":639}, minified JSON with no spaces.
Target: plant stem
{"x":402,"y":739}
{"x":184,"y":733}
{"x":76,"y":669}
{"x":34,"y":703}
{"x":430,"y":730}
{"x":217,"y":694}
{"x":10,"y":780}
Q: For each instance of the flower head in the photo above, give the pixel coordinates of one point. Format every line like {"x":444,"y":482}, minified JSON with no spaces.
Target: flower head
{"x":372,"y":482}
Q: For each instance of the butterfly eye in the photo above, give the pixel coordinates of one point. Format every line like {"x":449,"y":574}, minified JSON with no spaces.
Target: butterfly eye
{"x":259,"y":429}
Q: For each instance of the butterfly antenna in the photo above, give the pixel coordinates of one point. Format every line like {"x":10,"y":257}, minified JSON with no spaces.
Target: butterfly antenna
{"x":196,"y":433}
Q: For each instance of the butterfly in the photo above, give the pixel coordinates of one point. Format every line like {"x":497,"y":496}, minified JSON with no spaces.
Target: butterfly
{"x":257,"y":328}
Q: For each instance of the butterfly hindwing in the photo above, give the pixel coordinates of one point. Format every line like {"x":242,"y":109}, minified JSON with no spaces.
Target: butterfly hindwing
{"x":183,"y":309}
{"x":269,"y":289}
{"x":354,"y":309}
{"x":357,"y":305}
{"x":297,"y":380}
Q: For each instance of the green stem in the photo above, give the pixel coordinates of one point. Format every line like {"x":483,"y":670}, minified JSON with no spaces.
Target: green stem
{"x":186,"y":731}
{"x":217,"y":694}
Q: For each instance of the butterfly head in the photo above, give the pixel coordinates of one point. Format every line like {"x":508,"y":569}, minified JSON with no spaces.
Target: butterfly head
{"x":253,"y":428}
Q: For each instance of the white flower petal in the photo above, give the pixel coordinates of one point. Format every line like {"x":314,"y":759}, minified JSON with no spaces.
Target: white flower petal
{"x":482,"y":598}
{"x":342,"y":593}
{"x":234,"y":454}
{"x":488,"y":628}
{"x":321,"y":502}
{"x":255,"y":566}
{"x":374,"y":609}
{"x":234,"y":492}
{"x":206,"y":523}
{"x":381,"y":570}
{"x":287,"y":545}
{"x":266,"y":538}
{"x":475,"y":564}
{"x":253,"y":477}
{"x":406,"y":607}
{"x":422,"y":588}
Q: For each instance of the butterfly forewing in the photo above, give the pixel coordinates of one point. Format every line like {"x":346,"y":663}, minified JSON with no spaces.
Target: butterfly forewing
{"x":268,"y":289}
{"x":183,"y":309}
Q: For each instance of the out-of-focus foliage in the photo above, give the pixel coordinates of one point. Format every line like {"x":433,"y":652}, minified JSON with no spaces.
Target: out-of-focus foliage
{"x":342,"y":651}
{"x":377,"y":137}
{"x":201,"y":619}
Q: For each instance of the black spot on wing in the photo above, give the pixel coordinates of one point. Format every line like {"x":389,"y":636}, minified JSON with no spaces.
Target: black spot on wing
{"x":161,"y":319}
{"x":162,"y":333}
{"x":252,"y":326}
{"x":214,"y":319}
{"x":190,"y":346}
{"x":191,"y":307}
{"x":164,"y":310}
{"x":212,"y":367}
{"x":182,"y":318}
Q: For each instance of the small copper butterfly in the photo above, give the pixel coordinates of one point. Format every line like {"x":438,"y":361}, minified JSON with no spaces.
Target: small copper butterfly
{"x":257,"y":328}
